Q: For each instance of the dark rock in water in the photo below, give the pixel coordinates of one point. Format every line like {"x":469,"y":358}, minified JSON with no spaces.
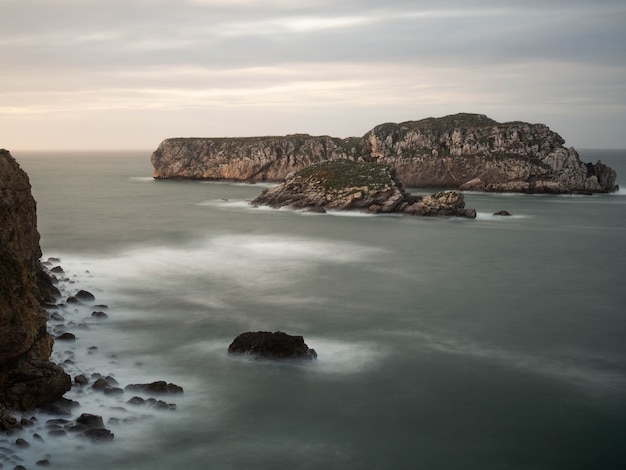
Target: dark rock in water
{"x":57,"y":270}
{"x":57,"y":317}
{"x":43,"y":463}
{"x":86,"y":425}
{"x":99,"y":314}
{"x":99,"y":435}
{"x":84,"y":296}
{"x":81,"y":380}
{"x":268,"y":345}
{"x":60,"y":407}
{"x":90,"y":421}
{"x":66,"y":337}
{"x":159,"y":404}
{"x":502,"y":212}
{"x":107,"y":386}
{"x":158,"y":387}
{"x":22,"y":443}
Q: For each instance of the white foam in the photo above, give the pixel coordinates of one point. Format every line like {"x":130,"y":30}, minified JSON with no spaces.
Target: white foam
{"x":334,"y":356}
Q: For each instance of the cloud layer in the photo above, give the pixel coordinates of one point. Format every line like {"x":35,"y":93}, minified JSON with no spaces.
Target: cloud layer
{"x":89,"y":74}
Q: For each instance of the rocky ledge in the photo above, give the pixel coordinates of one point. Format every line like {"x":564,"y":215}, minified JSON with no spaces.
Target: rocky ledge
{"x":346,"y":185}
{"x":461,"y":151}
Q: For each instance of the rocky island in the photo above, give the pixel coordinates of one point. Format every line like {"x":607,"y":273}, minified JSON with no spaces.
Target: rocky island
{"x":462,"y":151}
{"x":343,"y":185}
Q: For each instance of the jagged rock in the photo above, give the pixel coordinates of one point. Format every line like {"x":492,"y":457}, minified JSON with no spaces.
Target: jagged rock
{"x":27,"y":377}
{"x":107,"y":385}
{"x":443,"y":203}
{"x":345,"y":185}
{"x":461,"y":151}
{"x":268,"y":345}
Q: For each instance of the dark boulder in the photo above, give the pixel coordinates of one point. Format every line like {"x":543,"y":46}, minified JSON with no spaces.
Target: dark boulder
{"x":159,"y":387}
{"x":268,"y":345}
{"x":84,"y":296}
{"x":502,"y":212}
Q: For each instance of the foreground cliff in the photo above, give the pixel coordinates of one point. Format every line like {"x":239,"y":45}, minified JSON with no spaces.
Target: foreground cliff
{"x":462,"y":151}
{"x":27,"y":377}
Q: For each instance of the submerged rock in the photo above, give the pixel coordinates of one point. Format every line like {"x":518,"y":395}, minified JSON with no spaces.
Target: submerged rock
{"x":502,"y":212}
{"x":268,"y":345}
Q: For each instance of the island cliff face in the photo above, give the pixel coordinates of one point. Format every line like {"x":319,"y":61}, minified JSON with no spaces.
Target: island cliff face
{"x":27,"y":377}
{"x":462,"y":151}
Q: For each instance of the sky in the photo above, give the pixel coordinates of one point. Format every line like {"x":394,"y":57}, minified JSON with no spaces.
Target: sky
{"x":126,"y":74}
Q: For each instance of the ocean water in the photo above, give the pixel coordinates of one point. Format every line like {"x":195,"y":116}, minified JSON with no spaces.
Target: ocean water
{"x":495,"y":343}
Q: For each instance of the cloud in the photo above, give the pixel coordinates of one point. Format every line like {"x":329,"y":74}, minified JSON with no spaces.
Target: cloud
{"x":518,"y":59}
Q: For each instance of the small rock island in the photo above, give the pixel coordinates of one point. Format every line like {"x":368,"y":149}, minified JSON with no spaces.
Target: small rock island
{"x":346,"y":185}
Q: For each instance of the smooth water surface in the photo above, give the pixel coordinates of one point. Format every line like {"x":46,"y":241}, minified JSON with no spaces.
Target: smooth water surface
{"x":443,"y":343}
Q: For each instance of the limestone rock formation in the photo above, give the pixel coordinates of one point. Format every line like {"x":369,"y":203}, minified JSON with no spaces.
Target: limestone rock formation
{"x":461,"y":151}
{"x":268,"y":345}
{"x":343,"y":185}
{"x":27,"y":377}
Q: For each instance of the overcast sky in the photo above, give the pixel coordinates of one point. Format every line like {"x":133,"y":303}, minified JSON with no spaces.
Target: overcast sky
{"x":115,"y":74}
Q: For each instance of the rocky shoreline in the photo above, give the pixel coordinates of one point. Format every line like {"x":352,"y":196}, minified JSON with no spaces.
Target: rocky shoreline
{"x":26,"y":436}
{"x":44,"y":390}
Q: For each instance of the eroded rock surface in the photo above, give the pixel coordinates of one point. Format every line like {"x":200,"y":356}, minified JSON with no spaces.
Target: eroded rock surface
{"x":27,"y":377}
{"x":346,"y":185}
{"x":461,"y":151}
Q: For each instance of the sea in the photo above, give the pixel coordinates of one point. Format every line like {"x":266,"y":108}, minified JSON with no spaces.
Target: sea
{"x":443,"y":343}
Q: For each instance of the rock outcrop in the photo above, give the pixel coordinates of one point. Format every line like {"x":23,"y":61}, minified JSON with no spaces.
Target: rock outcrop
{"x":346,"y":185}
{"x":27,"y":377}
{"x":274,"y":346}
{"x":462,"y":151}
